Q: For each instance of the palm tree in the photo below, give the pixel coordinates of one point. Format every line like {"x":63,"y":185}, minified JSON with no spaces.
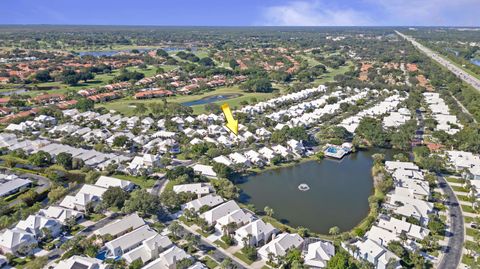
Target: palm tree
{"x":268,"y":211}
{"x":334,"y":231}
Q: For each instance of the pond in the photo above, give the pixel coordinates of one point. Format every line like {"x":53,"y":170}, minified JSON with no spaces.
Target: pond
{"x":12,"y":92}
{"x":337,"y":195}
{"x":210,"y":99}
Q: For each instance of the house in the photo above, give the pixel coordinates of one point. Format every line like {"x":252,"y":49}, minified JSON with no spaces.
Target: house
{"x":36,"y":224}
{"x":121,"y":226}
{"x":61,"y":214}
{"x":197,"y":188}
{"x":205,"y":170}
{"x":12,"y":185}
{"x":222,"y":159}
{"x":168,"y":259}
{"x":281,"y":150}
{"x":210,"y":201}
{"x":107,"y":182}
{"x":80,"y":262}
{"x":374,"y":253}
{"x":267,"y":153}
{"x":150,"y":249}
{"x":254,"y":157}
{"x":410,"y":207}
{"x":238,"y":158}
{"x":88,"y":193}
{"x":318,"y":254}
{"x":13,"y":240}
{"x":398,"y":227}
{"x":279,"y":246}
{"x":240,"y":217}
{"x":391,"y":166}
{"x":147,"y":162}
{"x":256,"y":232}
{"x":296,"y":146}
{"x":125,"y":243}
{"x":216,"y":213}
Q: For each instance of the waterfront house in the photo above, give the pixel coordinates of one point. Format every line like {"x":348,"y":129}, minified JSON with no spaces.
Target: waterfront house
{"x":210,"y":201}
{"x":216,"y":213}
{"x":318,"y":254}
{"x":257,"y":233}
{"x":204,"y":170}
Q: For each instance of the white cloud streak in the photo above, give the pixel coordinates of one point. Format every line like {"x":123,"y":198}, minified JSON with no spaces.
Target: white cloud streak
{"x":373,"y":12}
{"x":316,"y":13}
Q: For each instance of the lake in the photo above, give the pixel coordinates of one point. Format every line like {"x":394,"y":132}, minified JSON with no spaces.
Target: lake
{"x":338,"y":194}
{"x":475,"y":61}
{"x":210,"y":99}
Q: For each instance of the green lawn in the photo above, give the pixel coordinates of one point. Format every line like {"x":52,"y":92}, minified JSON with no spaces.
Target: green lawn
{"x":455,"y":180}
{"x":468,"y":260}
{"x":143,"y":183}
{"x":126,"y":105}
{"x":463,"y":198}
{"x":328,"y":77}
{"x":243,"y":257}
{"x":95,"y":217}
{"x":221,"y":244}
{"x":467,"y":208}
{"x":204,"y":234}
{"x":472,"y":232}
{"x":459,"y":189}
{"x":209,"y":262}
{"x":98,"y":81}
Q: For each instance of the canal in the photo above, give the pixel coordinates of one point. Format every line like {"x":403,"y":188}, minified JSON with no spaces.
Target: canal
{"x":338,"y":194}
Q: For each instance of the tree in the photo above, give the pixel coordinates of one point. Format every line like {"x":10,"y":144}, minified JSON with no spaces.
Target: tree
{"x":41,"y":158}
{"x":175,"y":228}
{"x":334,"y":231}
{"x":162,"y":53}
{"x":268,"y":211}
{"x":233,"y":63}
{"x":223,"y":170}
{"x":84,"y":104}
{"x":206,"y":62}
{"x":136,"y":264}
{"x":143,"y":202}
{"x":64,"y":159}
{"x":120,"y":141}
{"x":115,"y":197}
{"x":43,"y":76}
{"x":37,"y":263}
{"x":340,"y":261}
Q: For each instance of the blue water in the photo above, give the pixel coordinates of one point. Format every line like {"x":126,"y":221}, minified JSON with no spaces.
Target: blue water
{"x":332,"y":150}
{"x":475,"y":61}
{"x":209,"y":100}
{"x":102,"y":255}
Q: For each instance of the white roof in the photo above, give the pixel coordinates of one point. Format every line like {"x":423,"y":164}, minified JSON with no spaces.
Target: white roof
{"x":14,"y":237}
{"x":132,"y":221}
{"x":281,"y":244}
{"x":205,"y":170}
{"x":238,"y":217}
{"x":222,"y":210}
{"x":130,"y":239}
{"x":80,"y":262}
{"x":107,"y":182}
{"x":147,"y":249}
{"x":256,"y":228}
{"x":14,"y":184}
{"x":60,"y":213}
{"x":210,"y":200}
{"x":168,"y":258}
{"x":319,"y":253}
{"x":197,"y":188}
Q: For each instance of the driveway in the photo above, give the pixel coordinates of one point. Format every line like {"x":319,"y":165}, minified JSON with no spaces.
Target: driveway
{"x":453,"y":253}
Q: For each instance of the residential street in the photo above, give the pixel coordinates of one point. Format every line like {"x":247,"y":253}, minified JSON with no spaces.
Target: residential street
{"x":453,"y":254}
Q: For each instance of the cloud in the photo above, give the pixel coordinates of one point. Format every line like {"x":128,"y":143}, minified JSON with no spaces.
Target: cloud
{"x":316,"y":13}
{"x":373,"y":12}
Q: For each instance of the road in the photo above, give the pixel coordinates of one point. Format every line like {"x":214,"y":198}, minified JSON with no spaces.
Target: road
{"x":460,"y":73}
{"x":217,"y":253}
{"x":453,"y":253}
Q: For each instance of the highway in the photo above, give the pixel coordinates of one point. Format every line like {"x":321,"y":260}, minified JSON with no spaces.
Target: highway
{"x":460,"y":73}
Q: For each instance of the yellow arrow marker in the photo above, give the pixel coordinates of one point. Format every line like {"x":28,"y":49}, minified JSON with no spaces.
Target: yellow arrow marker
{"x":232,"y":123}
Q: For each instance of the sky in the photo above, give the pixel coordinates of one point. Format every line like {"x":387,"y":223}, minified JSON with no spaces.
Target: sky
{"x":243,"y":12}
